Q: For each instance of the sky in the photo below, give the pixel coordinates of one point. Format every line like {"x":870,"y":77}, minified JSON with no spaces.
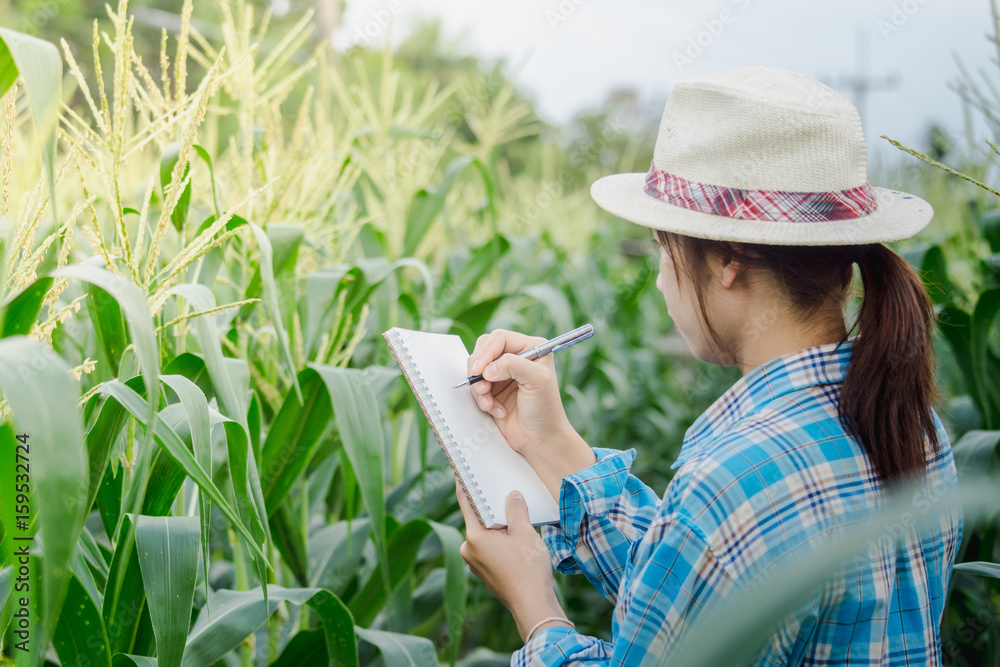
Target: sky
{"x":567,"y":54}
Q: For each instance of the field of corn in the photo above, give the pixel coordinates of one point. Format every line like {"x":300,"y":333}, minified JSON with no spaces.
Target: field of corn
{"x":207,"y":453}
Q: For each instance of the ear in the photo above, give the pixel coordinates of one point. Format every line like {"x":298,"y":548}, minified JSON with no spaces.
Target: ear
{"x":729,"y":272}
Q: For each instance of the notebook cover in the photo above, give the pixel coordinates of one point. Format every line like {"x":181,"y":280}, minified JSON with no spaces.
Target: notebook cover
{"x":478,"y":452}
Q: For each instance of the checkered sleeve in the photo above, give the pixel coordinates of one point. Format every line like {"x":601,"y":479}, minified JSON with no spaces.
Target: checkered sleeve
{"x":603,"y":510}
{"x":558,"y":645}
{"x":675,"y":577}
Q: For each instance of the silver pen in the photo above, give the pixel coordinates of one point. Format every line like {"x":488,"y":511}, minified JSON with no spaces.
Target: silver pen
{"x":554,"y":345}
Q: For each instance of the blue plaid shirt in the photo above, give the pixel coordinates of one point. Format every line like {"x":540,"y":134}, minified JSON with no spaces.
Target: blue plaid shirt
{"x":765,"y":469}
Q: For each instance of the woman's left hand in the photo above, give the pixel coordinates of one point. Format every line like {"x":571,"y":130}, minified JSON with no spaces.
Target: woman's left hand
{"x":513,"y":562}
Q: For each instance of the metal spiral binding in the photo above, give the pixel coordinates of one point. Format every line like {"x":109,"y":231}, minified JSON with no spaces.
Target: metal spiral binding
{"x":443,"y":433}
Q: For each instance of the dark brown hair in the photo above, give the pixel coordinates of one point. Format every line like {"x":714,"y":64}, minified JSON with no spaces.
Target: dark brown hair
{"x":887,"y":394}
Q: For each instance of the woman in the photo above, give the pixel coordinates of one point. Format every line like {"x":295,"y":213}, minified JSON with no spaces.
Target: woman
{"x":759,"y":199}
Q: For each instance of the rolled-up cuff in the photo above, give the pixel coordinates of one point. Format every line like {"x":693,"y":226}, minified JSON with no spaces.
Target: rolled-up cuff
{"x":559,"y":644}
{"x":594,"y":491}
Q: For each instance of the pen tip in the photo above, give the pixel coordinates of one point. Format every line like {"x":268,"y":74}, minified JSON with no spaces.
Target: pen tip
{"x":461,"y":384}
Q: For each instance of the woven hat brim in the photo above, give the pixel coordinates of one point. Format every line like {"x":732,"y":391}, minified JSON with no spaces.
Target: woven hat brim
{"x":899,"y":215}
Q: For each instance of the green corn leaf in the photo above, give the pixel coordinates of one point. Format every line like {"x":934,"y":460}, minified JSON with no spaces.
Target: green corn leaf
{"x":358,"y":282}
{"x":109,"y":324}
{"x":40,"y":67}
{"x":255,"y":422}
{"x":125,"y":597}
{"x":956,"y":326}
{"x":140,"y":324}
{"x":174,"y":446}
{"x":319,"y":483}
{"x":6,"y":589}
{"x":43,"y":397}
{"x":167,"y":475}
{"x":335,"y":552}
{"x":168,"y":558}
{"x":291,"y":442}
{"x":171,"y":154}
{"x":289,"y":537}
{"x":207,"y":267}
{"x":192,"y":366}
{"x":319,"y":304}
{"x":456,"y":291}
{"x":984,"y":361}
{"x":359,"y":423}
{"x":106,"y":485}
{"x":271,"y":296}
{"x":247,"y":491}
{"x":455,"y":587}
{"x":285,"y":241}
{"x":472,"y":322}
{"x":307,"y":647}
{"x":400,"y":650}
{"x":20,"y":312}
{"x":81,"y":570}
{"x":428,"y":203}
{"x":558,"y":310}
{"x":934,"y":270}
{"x":127,"y":660}
{"x":80,"y":638}
{"x":237,"y":614}
{"x":490,"y":184}
{"x":981,"y":568}
{"x":976,"y":450}
{"x":199,"y":426}
{"x":211,"y":173}
{"x":410,"y":307}
{"x":109,"y":500}
{"x":132,"y":304}
{"x":404,"y":546}
{"x":100,"y":439}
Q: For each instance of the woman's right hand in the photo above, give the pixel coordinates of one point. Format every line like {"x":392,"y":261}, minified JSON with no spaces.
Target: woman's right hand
{"x":521,"y":394}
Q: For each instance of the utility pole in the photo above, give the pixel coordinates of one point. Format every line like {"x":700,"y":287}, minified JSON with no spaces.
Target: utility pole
{"x":861,"y":84}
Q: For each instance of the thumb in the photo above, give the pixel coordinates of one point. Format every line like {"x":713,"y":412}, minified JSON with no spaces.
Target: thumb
{"x":517,"y":513}
{"x":527,"y":373}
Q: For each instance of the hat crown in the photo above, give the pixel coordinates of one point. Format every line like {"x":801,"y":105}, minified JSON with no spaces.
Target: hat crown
{"x":762,"y":128}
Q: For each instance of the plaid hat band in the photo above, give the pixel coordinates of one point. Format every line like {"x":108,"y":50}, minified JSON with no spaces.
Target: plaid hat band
{"x":766,"y":205}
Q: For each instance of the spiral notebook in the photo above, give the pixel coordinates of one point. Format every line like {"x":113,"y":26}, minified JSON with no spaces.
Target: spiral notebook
{"x":486,"y":466}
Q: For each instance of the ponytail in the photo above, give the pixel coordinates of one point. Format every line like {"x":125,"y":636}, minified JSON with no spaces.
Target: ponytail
{"x":887,"y":394}
{"x":886,"y":398}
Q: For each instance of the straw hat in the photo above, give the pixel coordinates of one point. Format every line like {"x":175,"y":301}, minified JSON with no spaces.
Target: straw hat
{"x":762,"y":155}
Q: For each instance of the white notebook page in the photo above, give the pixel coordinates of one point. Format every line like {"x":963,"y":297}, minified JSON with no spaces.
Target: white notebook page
{"x":441,"y":361}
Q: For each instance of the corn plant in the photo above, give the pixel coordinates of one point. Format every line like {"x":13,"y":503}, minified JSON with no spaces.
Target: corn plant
{"x":211,"y":431}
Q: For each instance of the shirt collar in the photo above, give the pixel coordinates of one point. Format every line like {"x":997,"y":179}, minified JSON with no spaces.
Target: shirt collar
{"x":823,"y":364}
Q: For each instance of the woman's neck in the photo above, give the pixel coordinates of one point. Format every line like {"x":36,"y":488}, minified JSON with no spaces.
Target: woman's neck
{"x":764,"y":340}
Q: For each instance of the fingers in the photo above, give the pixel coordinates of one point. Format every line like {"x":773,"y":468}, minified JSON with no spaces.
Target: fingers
{"x":517,"y":514}
{"x":492,"y":346}
{"x":472,"y":524}
{"x":528,"y":374}
{"x":475,"y":354}
{"x":488,"y":404}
